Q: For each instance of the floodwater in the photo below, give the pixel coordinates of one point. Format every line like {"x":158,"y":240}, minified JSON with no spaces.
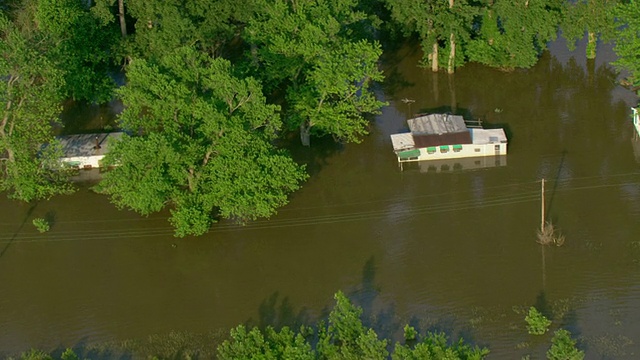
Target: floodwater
{"x":440,"y":249}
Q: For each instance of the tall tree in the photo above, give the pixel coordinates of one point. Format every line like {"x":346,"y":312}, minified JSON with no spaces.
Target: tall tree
{"x":31,"y":91}
{"x":205,"y":147}
{"x":593,"y":17}
{"x":346,"y":337}
{"x":513,"y":33}
{"x":309,"y":48}
{"x":161,"y":26}
{"x":270,"y":344}
{"x":438,"y":346}
{"x":627,"y":47}
{"x":81,"y":48}
{"x":443,"y":26}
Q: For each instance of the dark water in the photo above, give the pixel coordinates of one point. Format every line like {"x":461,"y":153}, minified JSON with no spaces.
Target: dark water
{"x":452,"y":250}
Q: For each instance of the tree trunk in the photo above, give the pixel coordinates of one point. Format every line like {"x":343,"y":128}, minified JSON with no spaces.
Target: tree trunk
{"x":452,"y":49}
{"x":434,"y":59}
{"x":305,"y":136}
{"x":452,"y":54}
{"x":123,"y":24}
{"x":591,"y":45}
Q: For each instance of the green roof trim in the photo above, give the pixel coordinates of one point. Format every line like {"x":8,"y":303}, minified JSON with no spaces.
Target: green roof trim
{"x":457,"y":147}
{"x":409,"y":153}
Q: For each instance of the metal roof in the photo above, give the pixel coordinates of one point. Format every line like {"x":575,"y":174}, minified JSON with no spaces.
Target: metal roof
{"x":402,"y":141}
{"x":86,"y":144}
{"x":488,"y":136}
{"x":437,"y":124}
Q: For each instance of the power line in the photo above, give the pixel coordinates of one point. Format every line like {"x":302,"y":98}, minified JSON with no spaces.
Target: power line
{"x":452,"y":206}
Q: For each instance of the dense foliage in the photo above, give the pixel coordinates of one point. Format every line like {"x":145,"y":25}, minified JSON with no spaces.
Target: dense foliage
{"x":344,"y":337}
{"x":212,"y":85}
{"x":202,"y":144}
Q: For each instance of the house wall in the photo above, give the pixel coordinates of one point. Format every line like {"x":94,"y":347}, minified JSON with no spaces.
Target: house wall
{"x":93,"y":161}
{"x":468,"y":150}
{"x":636,"y":120}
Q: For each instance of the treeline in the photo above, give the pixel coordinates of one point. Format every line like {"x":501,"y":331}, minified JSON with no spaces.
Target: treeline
{"x":212,"y":85}
{"x":344,"y":337}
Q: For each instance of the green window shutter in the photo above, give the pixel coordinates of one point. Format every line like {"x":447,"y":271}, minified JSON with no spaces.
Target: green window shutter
{"x":409,"y":154}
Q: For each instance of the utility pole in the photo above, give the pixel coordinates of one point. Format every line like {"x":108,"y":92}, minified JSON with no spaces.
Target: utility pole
{"x":542,"y":208}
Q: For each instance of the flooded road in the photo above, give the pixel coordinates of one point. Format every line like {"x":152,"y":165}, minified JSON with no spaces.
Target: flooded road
{"x":439,"y":249}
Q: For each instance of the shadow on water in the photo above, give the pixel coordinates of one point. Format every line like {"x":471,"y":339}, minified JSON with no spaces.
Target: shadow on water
{"x":15,"y":234}
{"x":394,"y":80}
{"x":316,"y":156}
{"x":277,"y":313}
{"x":556,"y":181}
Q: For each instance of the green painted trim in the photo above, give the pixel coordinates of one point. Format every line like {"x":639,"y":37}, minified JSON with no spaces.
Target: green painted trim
{"x":409,"y":153}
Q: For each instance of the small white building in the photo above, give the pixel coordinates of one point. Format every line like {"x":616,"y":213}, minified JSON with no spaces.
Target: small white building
{"x":445,"y":136}
{"x":86,"y":151}
{"x":636,"y":120}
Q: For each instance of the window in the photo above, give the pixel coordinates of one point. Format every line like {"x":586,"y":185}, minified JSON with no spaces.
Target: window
{"x":476,"y":149}
{"x":497,"y":147}
{"x":444,"y":149}
{"x":431,"y":150}
{"x":457,"y":148}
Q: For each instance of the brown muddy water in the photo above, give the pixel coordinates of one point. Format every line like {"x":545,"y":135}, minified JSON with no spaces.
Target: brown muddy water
{"x":441,"y":250}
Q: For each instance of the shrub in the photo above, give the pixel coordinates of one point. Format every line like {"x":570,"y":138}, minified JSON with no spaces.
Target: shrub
{"x":41,"y":224}
{"x":537,"y":324}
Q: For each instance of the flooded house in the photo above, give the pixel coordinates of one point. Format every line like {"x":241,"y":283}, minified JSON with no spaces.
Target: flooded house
{"x":444,"y":136}
{"x":86,"y":151}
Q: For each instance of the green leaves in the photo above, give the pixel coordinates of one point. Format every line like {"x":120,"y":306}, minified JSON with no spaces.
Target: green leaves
{"x":204,"y":145}
{"x":537,"y":324}
{"x":31,"y":95}
{"x":81,"y":48}
{"x":627,"y":47}
{"x":310,"y":49}
{"x":563,"y":347}
{"x":514,"y":33}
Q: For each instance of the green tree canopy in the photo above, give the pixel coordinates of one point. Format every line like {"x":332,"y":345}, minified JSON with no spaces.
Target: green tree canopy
{"x":81,"y":47}
{"x":204,"y":144}
{"x":31,"y":95}
{"x":594,"y":17}
{"x":309,"y":49}
{"x":344,"y":337}
{"x":627,"y":47}
{"x":513,"y":33}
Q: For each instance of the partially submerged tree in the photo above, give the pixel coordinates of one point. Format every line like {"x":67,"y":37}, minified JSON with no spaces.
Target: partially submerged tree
{"x":309,"y":49}
{"x":593,"y":17}
{"x":31,"y":91}
{"x":204,"y":146}
{"x":343,"y":337}
{"x":513,"y":34}
{"x":627,"y":48}
{"x":443,"y":26}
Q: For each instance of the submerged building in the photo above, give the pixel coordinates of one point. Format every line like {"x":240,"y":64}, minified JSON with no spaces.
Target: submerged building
{"x":446,"y":136}
{"x":86,"y":151}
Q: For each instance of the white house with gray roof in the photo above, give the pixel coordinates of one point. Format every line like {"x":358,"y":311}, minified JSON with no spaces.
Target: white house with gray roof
{"x":86,"y":151}
{"x":445,"y":136}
